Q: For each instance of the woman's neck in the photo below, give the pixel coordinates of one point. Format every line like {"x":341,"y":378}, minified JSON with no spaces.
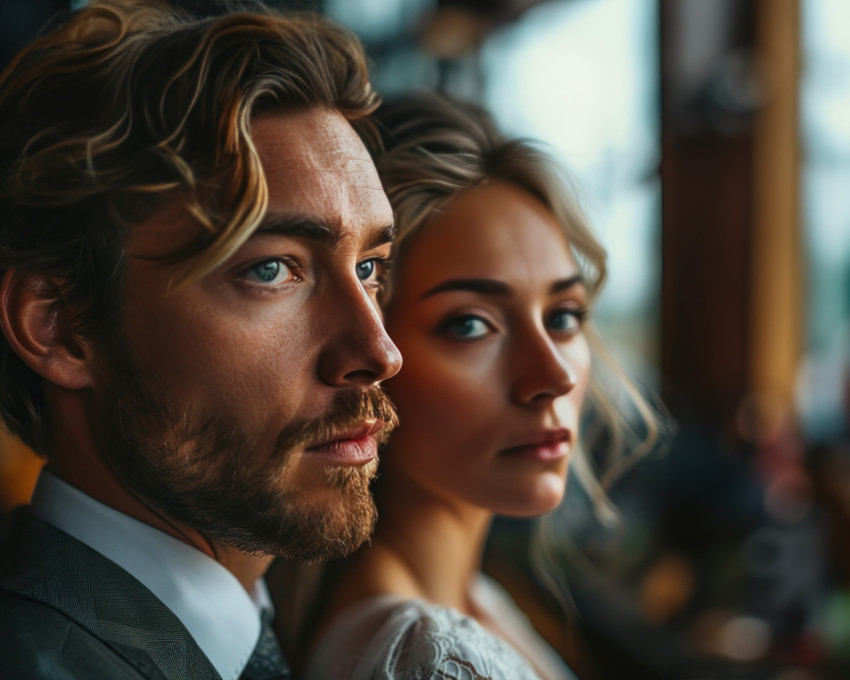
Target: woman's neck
{"x":436,"y":544}
{"x":425,"y":547}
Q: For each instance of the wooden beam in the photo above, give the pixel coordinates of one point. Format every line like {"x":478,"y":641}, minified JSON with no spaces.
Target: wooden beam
{"x":777,"y":323}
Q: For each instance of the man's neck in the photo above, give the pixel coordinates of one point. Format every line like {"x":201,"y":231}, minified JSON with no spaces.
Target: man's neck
{"x":77,"y":459}
{"x":103,"y":487}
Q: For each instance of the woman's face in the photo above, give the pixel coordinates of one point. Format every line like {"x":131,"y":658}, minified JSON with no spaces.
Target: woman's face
{"x":487,"y":311}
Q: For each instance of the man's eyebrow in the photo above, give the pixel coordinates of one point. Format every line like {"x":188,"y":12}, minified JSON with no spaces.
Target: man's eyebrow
{"x":480,"y":286}
{"x":566,"y":284}
{"x":381,"y":236}
{"x":318,"y":229}
{"x":299,"y":226}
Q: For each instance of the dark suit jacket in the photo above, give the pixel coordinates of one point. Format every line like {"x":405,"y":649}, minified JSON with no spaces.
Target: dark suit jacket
{"x":68,"y":612}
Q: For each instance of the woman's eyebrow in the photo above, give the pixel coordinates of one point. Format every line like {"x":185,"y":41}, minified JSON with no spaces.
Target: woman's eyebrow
{"x":566,"y":284}
{"x":480,"y":286}
{"x":494,"y":287}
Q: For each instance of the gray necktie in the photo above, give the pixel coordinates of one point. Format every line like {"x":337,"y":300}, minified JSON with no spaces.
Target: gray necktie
{"x":266,"y":663}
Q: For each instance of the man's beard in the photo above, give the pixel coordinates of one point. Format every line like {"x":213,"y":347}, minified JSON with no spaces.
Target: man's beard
{"x":199,"y":467}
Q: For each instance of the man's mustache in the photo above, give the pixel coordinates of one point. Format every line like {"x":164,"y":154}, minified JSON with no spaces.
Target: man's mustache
{"x":349,"y":410}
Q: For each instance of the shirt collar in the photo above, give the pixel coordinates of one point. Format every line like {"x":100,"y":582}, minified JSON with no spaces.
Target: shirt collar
{"x":210,"y":602}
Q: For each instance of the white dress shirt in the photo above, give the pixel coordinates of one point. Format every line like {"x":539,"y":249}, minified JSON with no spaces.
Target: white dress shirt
{"x":220,"y":615}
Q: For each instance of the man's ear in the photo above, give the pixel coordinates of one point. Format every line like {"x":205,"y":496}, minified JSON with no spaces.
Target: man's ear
{"x":36,"y":323}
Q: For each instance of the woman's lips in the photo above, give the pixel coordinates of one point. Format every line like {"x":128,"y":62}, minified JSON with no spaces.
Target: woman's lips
{"x":543,"y":446}
{"x":355,"y":446}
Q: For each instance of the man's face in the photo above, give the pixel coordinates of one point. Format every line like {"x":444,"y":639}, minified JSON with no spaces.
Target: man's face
{"x":245,"y":404}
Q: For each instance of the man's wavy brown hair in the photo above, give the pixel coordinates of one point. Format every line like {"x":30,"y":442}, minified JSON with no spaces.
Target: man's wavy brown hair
{"x":128,"y":107}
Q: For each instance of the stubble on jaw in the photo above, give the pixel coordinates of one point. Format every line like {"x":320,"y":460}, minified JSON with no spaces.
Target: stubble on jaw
{"x":200,"y":468}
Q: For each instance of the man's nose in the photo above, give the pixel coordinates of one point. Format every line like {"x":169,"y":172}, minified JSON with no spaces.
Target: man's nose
{"x":358,"y":352}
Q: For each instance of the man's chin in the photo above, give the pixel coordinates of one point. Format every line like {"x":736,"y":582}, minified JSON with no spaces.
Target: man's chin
{"x":328,"y":535}
{"x":351,"y":479}
{"x":327,"y":519}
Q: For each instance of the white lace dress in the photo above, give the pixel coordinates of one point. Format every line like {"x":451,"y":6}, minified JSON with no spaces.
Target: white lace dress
{"x":393,"y":638}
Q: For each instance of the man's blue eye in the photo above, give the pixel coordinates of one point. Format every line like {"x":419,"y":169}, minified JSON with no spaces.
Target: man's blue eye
{"x":365,"y":269}
{"x":467,"y":327}
{"x":267,"y":271}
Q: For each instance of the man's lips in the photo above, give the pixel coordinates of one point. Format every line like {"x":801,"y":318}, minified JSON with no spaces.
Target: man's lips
{"x":543,"y":446}
{"x":352,"y":446}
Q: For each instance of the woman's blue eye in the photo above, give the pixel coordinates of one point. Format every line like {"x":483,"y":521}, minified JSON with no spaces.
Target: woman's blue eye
{"x":467,"y":327}
{"x":267,"y":271}
{"x":365,"y":269}
{"x":566,"y":320}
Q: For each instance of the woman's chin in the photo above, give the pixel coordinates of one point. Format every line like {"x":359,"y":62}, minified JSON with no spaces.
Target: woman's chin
{"x":542,"y":499}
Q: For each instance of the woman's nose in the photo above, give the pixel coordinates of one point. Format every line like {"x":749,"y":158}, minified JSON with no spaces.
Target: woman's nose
{"x":543,"y":372}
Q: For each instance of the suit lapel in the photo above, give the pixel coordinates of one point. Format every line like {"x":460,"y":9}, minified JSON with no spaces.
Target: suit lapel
{"x":45,"y":564}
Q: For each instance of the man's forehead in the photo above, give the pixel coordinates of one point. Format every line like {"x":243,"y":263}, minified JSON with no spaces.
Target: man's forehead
{"x":317,"y":170}
{"x":315,"y":139}
{"x":315,"y":164}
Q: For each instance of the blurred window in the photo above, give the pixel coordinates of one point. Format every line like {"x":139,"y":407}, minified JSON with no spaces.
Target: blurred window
{"x":583,"y":77}
{"x":825,"y":136}
{"x":377,"y":20}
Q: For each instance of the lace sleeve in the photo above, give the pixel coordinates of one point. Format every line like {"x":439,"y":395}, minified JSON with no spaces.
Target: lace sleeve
{"x":414,"y":640}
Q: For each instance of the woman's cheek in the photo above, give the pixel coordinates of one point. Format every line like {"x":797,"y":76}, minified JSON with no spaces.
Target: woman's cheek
{"x":444,"y":390}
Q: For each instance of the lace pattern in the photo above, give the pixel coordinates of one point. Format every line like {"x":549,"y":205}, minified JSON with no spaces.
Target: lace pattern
{"x":414,"y":640}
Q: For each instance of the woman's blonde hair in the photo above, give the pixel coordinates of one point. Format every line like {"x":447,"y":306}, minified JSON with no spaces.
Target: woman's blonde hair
{"x":434,"y":148}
